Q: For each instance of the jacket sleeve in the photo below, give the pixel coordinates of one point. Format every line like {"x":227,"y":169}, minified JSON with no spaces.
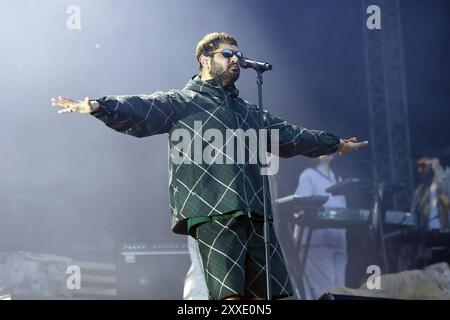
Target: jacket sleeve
{"x":137,"y":115}
{"x":296,"y":140}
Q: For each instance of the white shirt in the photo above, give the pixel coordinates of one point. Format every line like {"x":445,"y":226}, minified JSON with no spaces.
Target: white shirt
{"x":433,"y":221}
{"x":314,"y":182}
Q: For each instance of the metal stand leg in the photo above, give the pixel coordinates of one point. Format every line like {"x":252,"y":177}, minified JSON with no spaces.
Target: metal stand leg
{"x":303,"y":258}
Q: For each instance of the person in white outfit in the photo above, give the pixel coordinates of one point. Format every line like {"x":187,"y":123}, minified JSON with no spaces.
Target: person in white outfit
{"x":195,"y":283}
{"x":327,"y":256}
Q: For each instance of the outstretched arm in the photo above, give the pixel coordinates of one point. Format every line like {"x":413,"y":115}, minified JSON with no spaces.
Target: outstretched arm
{"x":296,"y":140}
{"x":136,"y":115}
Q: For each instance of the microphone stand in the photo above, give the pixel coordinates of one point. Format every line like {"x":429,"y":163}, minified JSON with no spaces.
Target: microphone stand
{"x":263,"y":161}
{"x":260,"y":67}
{"x":378,"y":221}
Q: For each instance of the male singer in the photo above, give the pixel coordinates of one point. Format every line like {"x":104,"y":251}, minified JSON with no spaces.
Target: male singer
{"x":219,"y":203}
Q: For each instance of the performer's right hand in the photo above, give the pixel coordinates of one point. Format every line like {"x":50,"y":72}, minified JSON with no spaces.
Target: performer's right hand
{"x":351,"y":144}
{"x":70,"y":105}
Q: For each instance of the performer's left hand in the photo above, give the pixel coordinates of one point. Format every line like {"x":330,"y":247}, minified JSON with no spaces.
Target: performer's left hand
{"x":351,"y":144}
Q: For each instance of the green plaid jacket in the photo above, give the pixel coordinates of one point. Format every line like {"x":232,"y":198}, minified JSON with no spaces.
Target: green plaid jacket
{"x":202,"y":189}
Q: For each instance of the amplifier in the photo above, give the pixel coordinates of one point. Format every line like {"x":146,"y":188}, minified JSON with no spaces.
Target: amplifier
{"x":152,"y":270}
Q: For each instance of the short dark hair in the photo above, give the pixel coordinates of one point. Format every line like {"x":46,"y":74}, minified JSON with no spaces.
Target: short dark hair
{"x":211,"y":42}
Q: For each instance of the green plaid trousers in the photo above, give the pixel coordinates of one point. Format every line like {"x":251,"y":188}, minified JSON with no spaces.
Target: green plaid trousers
{"x":233,"y":255}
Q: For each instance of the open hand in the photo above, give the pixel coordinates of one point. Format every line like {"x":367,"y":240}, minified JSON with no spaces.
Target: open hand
{"x":70,"y":105}
{"x":351,"y":144}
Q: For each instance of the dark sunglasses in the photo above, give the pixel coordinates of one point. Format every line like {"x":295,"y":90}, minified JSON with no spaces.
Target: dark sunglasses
{"x":228,"y":53}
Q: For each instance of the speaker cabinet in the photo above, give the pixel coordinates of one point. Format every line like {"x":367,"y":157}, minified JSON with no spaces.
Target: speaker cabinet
{"x":152,"y":271}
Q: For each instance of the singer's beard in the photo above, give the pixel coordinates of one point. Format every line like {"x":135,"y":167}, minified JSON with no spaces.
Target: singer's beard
{"x":227,"y":76}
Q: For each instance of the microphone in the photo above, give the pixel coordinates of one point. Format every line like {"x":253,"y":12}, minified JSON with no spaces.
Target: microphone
{"x":257,"y":65}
